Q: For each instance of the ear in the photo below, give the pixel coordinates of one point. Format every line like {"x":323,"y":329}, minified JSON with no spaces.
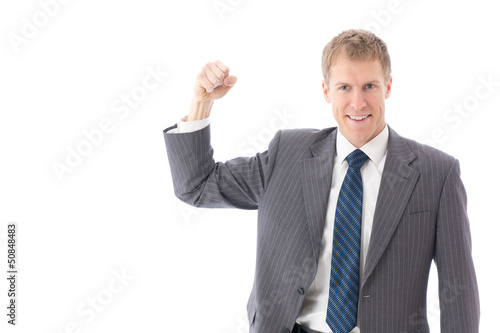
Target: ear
{"x":388,"y":88}
{"x":325,"y":92}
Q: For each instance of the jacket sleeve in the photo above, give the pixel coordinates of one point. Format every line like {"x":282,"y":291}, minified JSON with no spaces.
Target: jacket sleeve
{"x":200,"y":181}
{"x":458,"y":291}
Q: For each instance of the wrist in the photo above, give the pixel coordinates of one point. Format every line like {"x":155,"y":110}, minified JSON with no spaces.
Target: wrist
{"x":199,"y":110}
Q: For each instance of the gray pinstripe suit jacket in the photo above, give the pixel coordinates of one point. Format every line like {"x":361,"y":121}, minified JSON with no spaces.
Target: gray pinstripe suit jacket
{"x":420,"y":216}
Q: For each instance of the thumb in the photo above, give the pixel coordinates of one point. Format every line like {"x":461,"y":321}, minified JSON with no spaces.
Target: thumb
{"x":229,"y":81}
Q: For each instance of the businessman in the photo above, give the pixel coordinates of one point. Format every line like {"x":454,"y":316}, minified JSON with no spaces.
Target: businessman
{"x":349,"y":217}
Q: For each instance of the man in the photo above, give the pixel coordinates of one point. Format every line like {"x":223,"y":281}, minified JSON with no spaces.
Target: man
{"x":350,"y":218}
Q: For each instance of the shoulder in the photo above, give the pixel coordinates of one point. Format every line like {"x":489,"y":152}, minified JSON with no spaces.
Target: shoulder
{"x":426,"y":157}
{"x":298,"y":141}
{"x":307,"y":135}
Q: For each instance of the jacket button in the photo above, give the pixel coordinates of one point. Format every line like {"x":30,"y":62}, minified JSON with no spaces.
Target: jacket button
{"x":301,"y":291}
{"x":285,"y":330}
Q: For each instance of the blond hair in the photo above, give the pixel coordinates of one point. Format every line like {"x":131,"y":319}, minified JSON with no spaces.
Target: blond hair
{"x":359,"y":45}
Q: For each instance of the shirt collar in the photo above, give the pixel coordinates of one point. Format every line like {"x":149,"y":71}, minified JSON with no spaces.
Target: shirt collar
{"x":375,"y":149}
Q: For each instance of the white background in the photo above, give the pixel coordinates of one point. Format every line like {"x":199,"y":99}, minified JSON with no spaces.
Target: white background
{"x":192,"y":270}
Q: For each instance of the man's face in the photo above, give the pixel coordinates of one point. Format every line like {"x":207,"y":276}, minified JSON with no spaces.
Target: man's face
{"x":357,"y":92}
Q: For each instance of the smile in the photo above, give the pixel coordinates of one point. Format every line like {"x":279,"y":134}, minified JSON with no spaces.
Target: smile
{"x":358,"y":117}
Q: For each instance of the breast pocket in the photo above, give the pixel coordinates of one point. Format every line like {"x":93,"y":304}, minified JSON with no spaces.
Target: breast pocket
{"x":417,"y":226}
{"x":417,"y":216}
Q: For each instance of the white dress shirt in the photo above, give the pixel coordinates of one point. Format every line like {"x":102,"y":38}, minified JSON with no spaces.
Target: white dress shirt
{"x":313,"y":313}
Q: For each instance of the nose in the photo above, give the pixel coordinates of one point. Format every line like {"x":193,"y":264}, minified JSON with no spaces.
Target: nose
{"x":357,"y":101}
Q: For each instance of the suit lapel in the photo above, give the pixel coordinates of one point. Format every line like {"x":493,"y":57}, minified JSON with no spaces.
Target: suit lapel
{"x":317,"y":172}
{"x":396,"y":187}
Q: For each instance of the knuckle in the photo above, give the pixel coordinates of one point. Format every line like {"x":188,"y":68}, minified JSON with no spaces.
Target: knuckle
{"x":221,"y":66}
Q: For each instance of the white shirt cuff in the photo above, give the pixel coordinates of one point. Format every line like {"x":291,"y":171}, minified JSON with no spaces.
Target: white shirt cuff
{"x":190,"y":126}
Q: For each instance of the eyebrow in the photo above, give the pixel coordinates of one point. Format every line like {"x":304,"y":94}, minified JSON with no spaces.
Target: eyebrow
{"x":336,"y":84}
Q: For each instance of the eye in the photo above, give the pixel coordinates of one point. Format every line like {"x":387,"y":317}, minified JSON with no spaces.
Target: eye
{"x":343,"y":88}
{"x":370,"y":86}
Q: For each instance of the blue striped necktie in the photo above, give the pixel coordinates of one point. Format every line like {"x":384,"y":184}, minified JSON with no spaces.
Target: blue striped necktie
{"x":342,"y":311}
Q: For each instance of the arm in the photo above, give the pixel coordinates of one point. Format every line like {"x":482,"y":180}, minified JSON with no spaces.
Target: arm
{"x":197,"y":179}
{"x":458,"y":291}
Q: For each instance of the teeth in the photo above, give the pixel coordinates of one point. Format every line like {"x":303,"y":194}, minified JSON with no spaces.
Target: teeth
{"x":358,"y":117}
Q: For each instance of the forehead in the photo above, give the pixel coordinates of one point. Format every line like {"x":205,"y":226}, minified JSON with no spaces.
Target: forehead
{"x":344,"y":68}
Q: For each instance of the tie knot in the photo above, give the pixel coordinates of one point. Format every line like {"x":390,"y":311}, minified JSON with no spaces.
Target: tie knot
{"x":356,"y":159}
